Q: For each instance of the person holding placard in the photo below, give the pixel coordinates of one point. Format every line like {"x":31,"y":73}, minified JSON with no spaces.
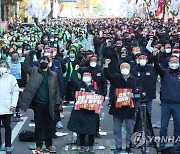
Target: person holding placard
{"x":83,"y":121}
{"x":122,"y":108}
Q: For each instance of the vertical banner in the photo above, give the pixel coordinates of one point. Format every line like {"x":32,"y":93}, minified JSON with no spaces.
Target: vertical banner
{"x":160,"y":9}
{"x":122,"y":98}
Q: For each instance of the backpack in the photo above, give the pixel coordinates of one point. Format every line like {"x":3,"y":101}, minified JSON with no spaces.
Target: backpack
{"x":27,"y":136}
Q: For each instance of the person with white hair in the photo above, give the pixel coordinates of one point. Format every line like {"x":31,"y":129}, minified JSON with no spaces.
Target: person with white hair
{"x":122,"y":107}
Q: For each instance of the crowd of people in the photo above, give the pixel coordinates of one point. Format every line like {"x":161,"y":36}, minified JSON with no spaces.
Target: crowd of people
{"x":42,"y":66}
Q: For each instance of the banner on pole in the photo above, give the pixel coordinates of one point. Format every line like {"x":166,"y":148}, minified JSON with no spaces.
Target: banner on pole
{"x":88,"y":101}
{"x":160,"y":8}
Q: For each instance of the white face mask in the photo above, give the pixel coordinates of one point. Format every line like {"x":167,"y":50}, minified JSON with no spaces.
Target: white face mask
{"x":86,"y":79}
{"x":168,"y":50}
{"x":174,"y":66}
{"x":175,"y":54}
{"x":34,"y":58}
{"x":72,"y":59}
{"x":125,"y":71}
{"x":47,"y":54}
{"x":142,"y":62}
{"x":93,"y":64}
{"x":3,"y":70}
{"x":19,"y":51}
{"x":52,"y":40}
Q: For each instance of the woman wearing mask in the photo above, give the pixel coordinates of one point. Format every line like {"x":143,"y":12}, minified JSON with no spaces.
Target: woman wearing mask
{"x":9,"y":93}
{"x":84,"y":122}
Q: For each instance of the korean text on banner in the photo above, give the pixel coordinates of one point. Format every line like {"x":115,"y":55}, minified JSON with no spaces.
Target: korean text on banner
{"x":122,"y":98}
{"x":88,"y":101}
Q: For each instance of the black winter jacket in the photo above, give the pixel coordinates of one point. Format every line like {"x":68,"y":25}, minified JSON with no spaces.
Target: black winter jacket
{"x":118,"y":81}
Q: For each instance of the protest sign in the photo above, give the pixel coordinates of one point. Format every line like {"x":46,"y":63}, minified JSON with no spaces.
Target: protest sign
{"x":89,"y":101}
{"x":122,"y":98}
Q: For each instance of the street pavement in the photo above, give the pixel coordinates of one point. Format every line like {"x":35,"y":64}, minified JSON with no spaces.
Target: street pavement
{"x":63,"y":145}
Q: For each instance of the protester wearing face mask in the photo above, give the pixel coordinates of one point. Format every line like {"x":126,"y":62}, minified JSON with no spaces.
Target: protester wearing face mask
{"x":9,"y":94}
{"x":115,"y":56}
{"x":51,"y":41}
{"x":98,"y":77}
{"x":126,"y":58}
{"x":169,"y":95}
{"x":84,"y":122}
{"x":44,"y":98}
{"x":40,"y":50}
{"x":135,"y":55}
{"x":26,"y":50}
{"x":83,"y":41}
{"x":16,"y":70}
{"x":164,"y":55}
{"x":176,"y":52}
{"x":116,"y":60}
{"x":122,"y":80}
{"x":148,"y":77}
{"x":54,"y":66}
{"x":20,"y":52}
{"x":70,"y":63}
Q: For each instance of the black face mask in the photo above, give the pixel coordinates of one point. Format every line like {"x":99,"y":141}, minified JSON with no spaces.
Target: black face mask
{"x":14,"y":59}
{"x":43,"y":65}
{"x":118,"y":49}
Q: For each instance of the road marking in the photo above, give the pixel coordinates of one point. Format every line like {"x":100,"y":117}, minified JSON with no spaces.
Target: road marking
{"x":17,"y":128}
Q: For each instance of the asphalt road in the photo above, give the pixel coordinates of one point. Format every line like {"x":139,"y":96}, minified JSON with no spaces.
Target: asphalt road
{"x":61,"y":142}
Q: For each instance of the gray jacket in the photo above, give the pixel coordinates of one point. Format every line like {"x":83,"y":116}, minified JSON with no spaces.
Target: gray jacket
{"x":26,"y":98}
